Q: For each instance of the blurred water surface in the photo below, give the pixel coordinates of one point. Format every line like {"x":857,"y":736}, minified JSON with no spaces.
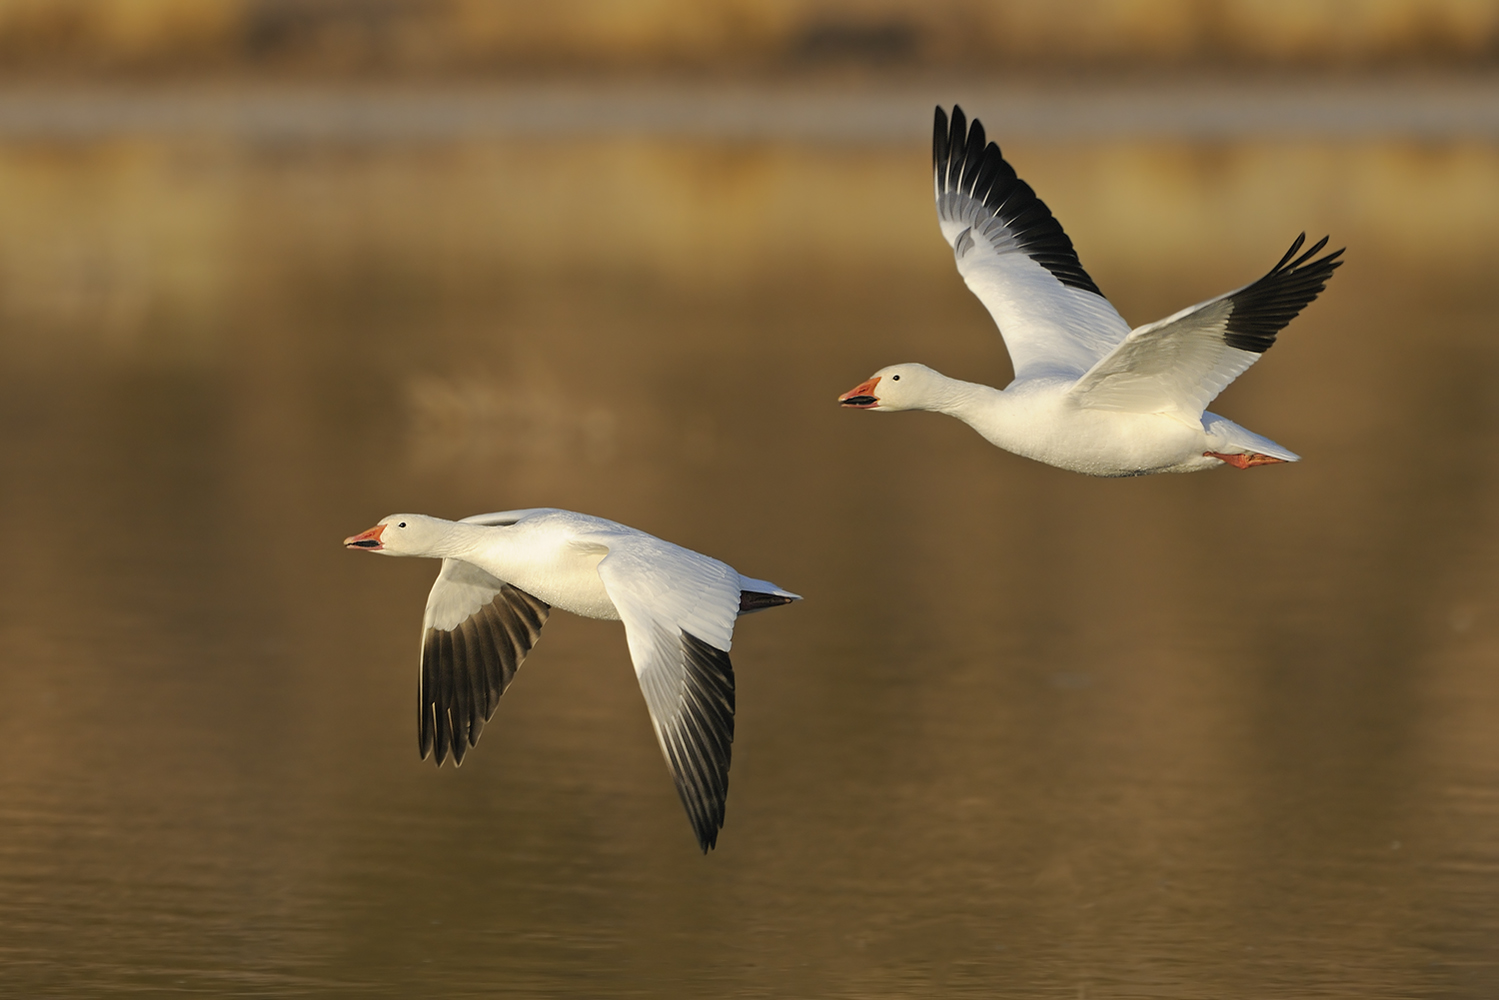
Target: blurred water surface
{"x":1029,"y":735}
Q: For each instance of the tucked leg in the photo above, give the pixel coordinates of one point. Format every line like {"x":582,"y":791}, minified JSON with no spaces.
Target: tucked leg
{"x":1245,"y":459}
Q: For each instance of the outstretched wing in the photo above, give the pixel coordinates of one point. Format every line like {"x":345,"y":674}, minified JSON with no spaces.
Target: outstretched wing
{"x":1014,"y":256}
{"x":1181,"y":363}
{"x":678,"y":609}
{"x":475,"y":635}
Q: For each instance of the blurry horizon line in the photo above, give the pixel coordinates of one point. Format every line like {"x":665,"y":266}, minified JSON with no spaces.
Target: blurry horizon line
{"x":1421,"y":108}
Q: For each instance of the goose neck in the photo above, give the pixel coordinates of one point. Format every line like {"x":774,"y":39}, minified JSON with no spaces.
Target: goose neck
{"x":458,"y":540}
{"x":960,"y":399}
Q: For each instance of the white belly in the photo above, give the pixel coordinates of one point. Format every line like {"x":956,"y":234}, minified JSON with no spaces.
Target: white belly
{"x":1099,"y":442}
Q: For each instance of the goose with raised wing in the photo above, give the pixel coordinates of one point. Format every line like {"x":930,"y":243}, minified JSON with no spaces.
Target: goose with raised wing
{"x":503,"y":573}
{"x":1089,"y":394}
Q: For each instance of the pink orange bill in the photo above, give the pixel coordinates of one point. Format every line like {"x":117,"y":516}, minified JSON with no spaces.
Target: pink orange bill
{"x":366,"y":539}
{"x":861,"y":396}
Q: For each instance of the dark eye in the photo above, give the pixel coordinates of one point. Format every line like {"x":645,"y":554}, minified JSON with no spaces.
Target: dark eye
{"x":401,"y":525}
{"x":895,"y":378}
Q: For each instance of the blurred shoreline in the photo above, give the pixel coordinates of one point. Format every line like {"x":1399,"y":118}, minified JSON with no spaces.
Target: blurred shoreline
{"x":1413,"y":106}
{"x":489,"y":39}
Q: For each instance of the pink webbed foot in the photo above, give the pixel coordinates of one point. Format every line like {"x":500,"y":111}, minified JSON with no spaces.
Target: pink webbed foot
{"x":1244,"y":460}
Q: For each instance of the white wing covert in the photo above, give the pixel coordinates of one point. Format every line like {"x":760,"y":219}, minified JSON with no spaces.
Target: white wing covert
{"x":1180,"y":364}
{"x":678,"y":608}
{"x":1014,"y":255}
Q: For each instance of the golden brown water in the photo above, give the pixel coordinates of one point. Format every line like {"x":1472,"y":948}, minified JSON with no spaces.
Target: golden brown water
{"x":1029,"y":735}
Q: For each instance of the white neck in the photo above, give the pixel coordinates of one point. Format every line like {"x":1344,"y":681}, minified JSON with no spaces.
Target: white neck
{"x":458,"y":540}
{"x":954,"y":396}
{"x":993,"y":413}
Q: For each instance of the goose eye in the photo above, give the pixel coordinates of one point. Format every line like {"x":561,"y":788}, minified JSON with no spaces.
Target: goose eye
{"x":401,"y":525}
{"x":895,"y":378}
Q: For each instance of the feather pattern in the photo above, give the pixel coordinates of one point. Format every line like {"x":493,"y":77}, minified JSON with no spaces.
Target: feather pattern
{"x":476,"y":633}
{"x":689,"y":689}
{"x":679,"y":628}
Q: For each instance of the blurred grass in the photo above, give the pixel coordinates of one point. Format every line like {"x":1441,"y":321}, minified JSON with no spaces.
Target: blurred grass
{"x":108,"y":240}
{"x":445,"y":37}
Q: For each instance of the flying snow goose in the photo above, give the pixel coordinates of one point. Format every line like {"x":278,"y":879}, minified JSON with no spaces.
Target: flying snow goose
{"x":1089,"y":394}
{"x":501,"y":576}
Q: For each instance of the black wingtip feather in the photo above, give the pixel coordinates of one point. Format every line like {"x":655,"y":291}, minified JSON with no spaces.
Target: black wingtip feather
{"x":955,"y":139}
{"x":1311,"y":253}
{"x":443,"y":735}
{"x":460,"y":712}
{"x":940,"y":146}
{"x":754,"y":600}
{"x":964,"y":163}
{"x":988,"y":172}
{"x":477,"y":636}
{"x":1263,"y":309}
{"x":699,"y":740}
{"x":973,"y":156}
{"x":1295,"y":245}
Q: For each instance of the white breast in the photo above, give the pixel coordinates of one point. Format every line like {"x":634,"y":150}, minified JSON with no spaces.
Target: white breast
{"x":1042,"y":424}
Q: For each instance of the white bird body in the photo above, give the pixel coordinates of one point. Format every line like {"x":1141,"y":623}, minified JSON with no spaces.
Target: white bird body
{"x":1090,"y":394}
{"x":1039,"y":419}
{"x":501,"y":575}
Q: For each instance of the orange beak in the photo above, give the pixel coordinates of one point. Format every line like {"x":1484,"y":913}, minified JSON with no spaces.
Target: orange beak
{"x":366,"y":539}
{"x":861,"y":396}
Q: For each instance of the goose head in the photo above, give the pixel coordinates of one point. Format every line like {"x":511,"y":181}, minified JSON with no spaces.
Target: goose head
{"x":898,"y":387}
{"x":401,"y":535}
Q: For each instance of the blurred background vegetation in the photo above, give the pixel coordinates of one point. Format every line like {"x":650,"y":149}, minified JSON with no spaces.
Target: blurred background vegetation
{"x":504,"y":37}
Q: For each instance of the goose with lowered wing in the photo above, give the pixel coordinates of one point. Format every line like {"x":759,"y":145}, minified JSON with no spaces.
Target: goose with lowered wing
{"x":501,"y":576}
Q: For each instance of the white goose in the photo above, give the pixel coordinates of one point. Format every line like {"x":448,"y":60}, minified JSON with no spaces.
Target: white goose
{"x":501,"y":576}
{"x":1089,"y":394}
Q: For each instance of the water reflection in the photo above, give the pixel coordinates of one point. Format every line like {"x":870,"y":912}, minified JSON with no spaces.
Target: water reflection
{"x":1030,"y":734}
